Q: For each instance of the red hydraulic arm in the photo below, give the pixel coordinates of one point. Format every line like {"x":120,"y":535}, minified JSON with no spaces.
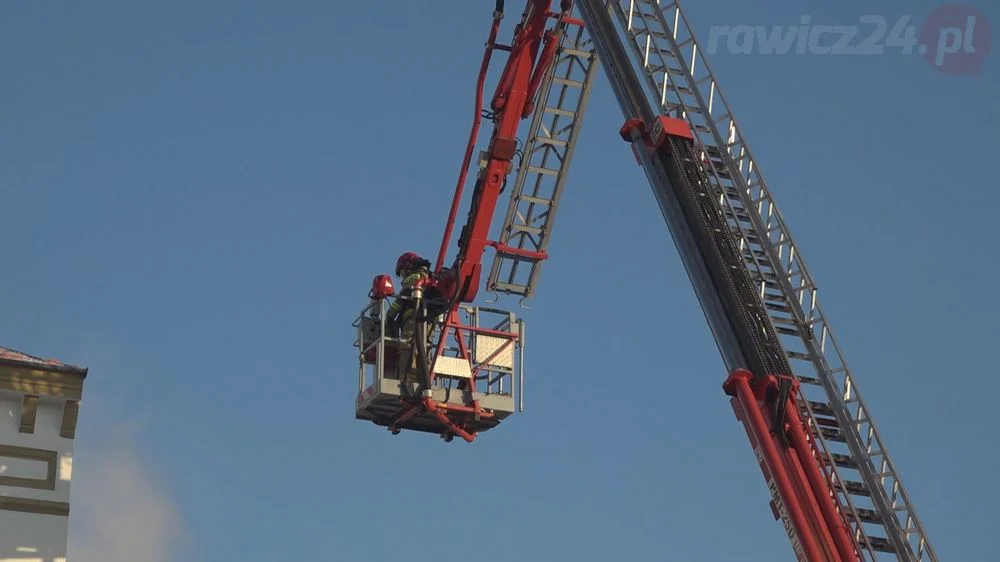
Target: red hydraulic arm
{"x":512,"y":102}
{"x":531,"y":53}
{"x":800,"y":495}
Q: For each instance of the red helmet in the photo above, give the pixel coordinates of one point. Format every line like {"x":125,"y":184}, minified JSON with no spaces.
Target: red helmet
{"x":407,"y":262}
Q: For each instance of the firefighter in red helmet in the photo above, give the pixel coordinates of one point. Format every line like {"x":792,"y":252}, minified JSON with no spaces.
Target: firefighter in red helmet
{"x":413,"y":271}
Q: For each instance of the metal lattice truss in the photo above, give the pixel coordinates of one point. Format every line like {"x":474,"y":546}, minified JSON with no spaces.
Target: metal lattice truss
{"x":544,"y":165}
{"x":679,"y":82}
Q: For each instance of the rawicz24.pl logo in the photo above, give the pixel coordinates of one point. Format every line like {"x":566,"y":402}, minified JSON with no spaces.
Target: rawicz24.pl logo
{"x":954,"y":39}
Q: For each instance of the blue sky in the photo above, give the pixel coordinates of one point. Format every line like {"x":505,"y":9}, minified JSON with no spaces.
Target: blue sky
{"x":196,"y":195}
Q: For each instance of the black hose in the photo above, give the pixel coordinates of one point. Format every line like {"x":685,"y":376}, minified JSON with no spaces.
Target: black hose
{"x":757,"y":337}
{"x":420,"y":344}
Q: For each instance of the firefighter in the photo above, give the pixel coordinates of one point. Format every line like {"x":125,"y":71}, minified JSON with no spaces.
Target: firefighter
{"x":412,"y":270}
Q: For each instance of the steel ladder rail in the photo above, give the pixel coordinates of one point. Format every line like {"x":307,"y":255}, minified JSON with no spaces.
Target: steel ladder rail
{"x":782,"y":258}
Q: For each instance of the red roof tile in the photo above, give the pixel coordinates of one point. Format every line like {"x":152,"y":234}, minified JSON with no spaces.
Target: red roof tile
{"x":13,"y":355}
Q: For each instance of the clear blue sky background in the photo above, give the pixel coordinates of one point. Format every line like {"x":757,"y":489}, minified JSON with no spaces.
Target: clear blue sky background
{"x":195,"y":196}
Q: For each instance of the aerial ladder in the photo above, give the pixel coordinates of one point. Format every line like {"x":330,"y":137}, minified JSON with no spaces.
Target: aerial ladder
{"x":832,"y":484}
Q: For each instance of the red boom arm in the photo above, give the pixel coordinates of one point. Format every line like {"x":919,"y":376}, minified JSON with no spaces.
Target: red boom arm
{"x":512,"y":102}
{"x":531,"y":54}
{"x":800,"y":495}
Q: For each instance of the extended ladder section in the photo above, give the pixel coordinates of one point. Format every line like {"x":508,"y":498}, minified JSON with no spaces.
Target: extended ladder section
{"x":655,"y":67}
{"x":765,"y":403}
{"x":544,"y":165}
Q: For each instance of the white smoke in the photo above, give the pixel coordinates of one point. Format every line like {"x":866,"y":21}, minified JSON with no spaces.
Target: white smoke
{"x":118,"y":511}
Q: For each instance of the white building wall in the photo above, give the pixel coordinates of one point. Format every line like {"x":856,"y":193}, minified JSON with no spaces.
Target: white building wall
{"x":36,"y":464}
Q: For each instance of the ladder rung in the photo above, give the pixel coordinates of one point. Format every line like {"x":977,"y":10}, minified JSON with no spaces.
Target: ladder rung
{"x":546,"y":171}
{"x":509,"y":287}
{"x":786,"y":331}
{"x":783,"y":308}
{"x":845,"y":461}
{"x":568,"y":82}
{"x":775,"y":319}
{"x":525,"y":229}
{"x":772,"y":297}
{"x":831,"y":434}
{"x":560,"y":111}
{"x":546,"y":142}
{"x":855,"y":488}
{"x":880,"y":544}
{"x":820,"y":408}
{"x":516,"y":258}
{"x":535,"y":200}
{"x":866,"y":516}
{"x":808,"y":380}
{"x":827,"y":422}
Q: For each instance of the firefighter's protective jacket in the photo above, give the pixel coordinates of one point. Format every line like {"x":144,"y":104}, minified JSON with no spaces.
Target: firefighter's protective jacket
{"x":409,"y":282}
